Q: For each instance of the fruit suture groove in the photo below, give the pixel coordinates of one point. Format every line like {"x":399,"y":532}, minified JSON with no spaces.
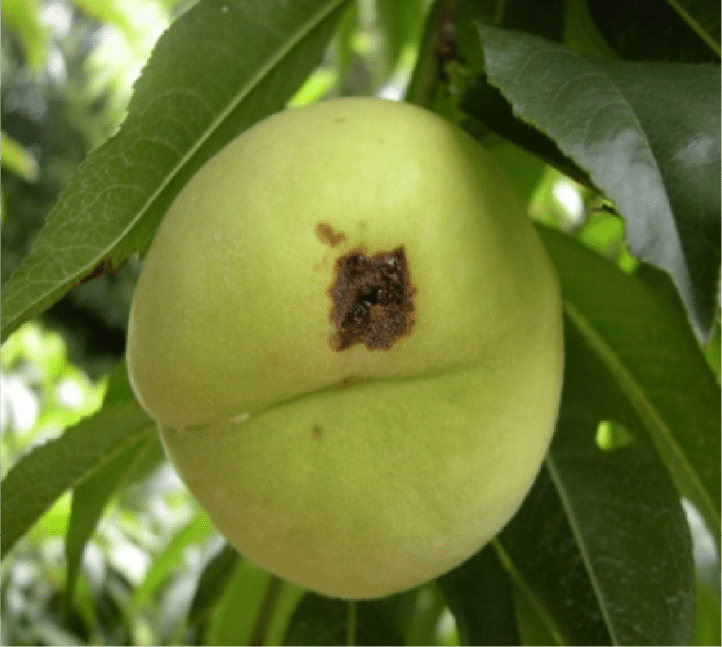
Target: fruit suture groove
{"x":372,"y":300}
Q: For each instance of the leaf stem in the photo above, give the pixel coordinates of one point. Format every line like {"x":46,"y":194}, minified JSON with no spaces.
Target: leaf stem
{"x":425,"y":77}
{"x":265,"y":614}
{"x":351,"y":624}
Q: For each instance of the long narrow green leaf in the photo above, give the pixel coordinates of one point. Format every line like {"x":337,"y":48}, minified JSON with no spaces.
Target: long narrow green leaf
{"x":703,"y":17}
{"x":602,"y":543}
{"x":480,"y":597}
{"x":240,"y":605}
{"x":213,"y":582}
{"x":539,"y":549}
{"x":90,"y":497}
{"x":89,"y":501}
{"x":648,"y":134}
{"x":418,"y":614}
{"x":601,"y":548}
{"x":660,"y":30}
{"x":618,"y":500}
{"x":25,"y":20}
{"x":318,"y":620}
{"x":247,"y":58}
{"x":41,"y":476}
{"x":17,"y":159}
{"x":285,"y":603}
{"x":638,"y":330}
{"x":400,"y":23}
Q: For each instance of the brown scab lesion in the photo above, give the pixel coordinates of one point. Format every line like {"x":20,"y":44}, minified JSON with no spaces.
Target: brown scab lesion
{"x":326,"y":234}
{"x":317,"y":431}
{"x":372,"y":300}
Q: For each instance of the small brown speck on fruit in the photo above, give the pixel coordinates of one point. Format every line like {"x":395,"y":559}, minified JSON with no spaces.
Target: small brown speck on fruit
{"x":326,"y":234}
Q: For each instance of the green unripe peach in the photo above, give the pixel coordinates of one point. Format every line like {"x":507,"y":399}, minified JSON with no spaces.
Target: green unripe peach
{"x":350,"y":337}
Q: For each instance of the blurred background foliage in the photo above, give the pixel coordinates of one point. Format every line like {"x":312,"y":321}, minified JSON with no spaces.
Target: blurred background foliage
{"x":68,"y":69}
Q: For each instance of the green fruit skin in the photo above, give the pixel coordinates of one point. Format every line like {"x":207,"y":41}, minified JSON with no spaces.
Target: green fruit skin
{"x":355,"y":473}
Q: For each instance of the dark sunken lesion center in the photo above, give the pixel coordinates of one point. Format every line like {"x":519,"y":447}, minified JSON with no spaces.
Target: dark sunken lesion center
{"x":372,"y":300}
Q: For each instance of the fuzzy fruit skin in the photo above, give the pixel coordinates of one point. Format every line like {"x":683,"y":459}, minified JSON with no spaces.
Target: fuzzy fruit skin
{"x":355,"y":473}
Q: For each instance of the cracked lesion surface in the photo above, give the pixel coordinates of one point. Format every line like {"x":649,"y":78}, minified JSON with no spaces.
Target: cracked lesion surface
{"x":372,"y":300}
